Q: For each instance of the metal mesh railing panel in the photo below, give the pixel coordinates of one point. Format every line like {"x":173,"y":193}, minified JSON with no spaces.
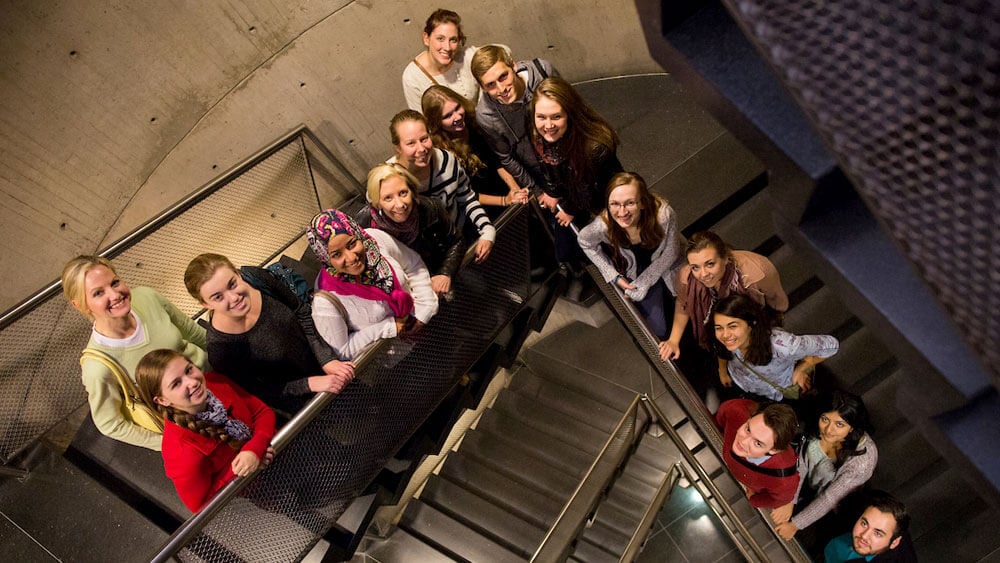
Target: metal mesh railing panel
{"x":907,"y":93}
{"x":247,"y":218}
{"x":340,"y":452}
{"x":39,"y":372}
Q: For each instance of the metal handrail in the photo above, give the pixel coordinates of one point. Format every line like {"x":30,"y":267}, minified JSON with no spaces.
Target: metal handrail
{"x":703,"y":476}
{"x":39,"y":297}
{"x":696,"y":411}
{"x":549,"y":551}
{"x":662,"y":492}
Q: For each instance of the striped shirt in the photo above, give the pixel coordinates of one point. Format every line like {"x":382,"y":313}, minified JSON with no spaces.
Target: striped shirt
{"x":450,"y":184}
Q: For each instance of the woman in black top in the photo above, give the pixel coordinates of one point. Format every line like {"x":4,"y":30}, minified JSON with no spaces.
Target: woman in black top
{"x":419,"y":222}
{"x":577,"y":149}
{"x":264,"y":339}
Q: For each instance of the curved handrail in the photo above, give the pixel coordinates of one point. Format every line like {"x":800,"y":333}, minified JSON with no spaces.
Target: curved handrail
{"x":692,"y":404}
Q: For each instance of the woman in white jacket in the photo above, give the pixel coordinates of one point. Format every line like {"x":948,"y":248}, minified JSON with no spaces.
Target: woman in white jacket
{"x":380,"y":288}
{"x":639,"y":231}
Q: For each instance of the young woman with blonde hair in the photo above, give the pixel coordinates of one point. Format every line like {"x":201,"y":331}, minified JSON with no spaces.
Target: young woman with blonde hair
{"x":128,"y":323}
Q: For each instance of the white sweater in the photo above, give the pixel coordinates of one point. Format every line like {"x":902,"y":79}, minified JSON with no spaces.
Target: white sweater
{"x":369,"y":321}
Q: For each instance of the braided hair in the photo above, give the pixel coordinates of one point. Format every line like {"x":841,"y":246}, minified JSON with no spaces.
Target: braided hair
{"x":149,"y":379}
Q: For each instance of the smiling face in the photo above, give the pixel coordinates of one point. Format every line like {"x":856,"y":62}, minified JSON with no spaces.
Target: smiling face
{"x":624,"y":206}
{"x":707,"y":266}
{"x":550,"y":119}
{"x":754,"y":439}
{"x":501,"y":83}
{"x":414,"y":148}
{"x":873,"y":532}
{"x":395,"y":199}
{"x":732,"y":332}
{"x":107,"y":297}
{"x":833,"y":428}
{"x":452,"y":117}
{"x":182,"y":386}
{"x":347,"y":254}
{"x":226,"y":294}
{"x":443,"y":43}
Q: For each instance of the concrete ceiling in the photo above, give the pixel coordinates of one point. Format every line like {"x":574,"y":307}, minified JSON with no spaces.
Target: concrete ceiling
{"x":112,"y":111}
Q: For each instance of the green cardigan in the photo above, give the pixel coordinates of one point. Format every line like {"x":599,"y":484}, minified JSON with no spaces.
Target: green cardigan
{"x":165,"y":326}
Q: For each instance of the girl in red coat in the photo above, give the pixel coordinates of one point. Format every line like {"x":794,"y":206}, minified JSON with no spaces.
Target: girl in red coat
{"x":213,"y":430}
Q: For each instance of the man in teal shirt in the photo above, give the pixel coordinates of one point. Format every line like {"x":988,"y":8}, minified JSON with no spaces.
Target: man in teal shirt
{"x":879,"y":535}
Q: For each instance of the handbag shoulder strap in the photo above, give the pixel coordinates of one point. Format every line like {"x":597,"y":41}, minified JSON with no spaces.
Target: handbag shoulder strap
{"x":771,"y":471}
{"x":334,"y":300}
{"x":416,"y":61}
{"x":759,"y":376}
{"x":541,"y":70}
{"x":129,"y":392}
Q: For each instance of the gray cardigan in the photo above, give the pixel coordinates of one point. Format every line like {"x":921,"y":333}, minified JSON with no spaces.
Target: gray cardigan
{"x":508,"y":127}
{"x":668,"y":258}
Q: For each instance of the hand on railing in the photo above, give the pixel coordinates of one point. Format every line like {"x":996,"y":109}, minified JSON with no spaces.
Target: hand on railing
{"x":483,"y":248}
{"x":329,"y":383}
{"x":441,"y":284}
{"x":669,"y":350}
{"x":339,"y":368}
{"x":245,"y":463}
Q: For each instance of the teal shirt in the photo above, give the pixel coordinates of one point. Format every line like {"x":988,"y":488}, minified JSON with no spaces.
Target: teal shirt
{"x":841,"y":548}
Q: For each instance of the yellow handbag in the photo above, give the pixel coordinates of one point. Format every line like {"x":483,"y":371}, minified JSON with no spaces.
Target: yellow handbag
{"x":133,"y":408}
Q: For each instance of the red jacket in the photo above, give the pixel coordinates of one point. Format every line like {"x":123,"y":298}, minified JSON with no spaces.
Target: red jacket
{"x":199,"y":465}
{"x":770,"y":491}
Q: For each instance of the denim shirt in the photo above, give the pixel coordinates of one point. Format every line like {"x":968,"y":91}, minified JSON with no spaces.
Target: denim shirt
{"x":787,"y":349}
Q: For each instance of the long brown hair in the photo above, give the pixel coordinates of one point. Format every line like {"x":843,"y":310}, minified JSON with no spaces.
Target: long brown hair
{"x":651,"y":232}
{"x":432,"y":104}
{"x":149,"y":378}
{"x":586,"y":132}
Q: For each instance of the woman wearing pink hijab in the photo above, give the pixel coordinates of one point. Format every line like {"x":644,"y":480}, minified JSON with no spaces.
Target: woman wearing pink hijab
{"x":371,"y":286}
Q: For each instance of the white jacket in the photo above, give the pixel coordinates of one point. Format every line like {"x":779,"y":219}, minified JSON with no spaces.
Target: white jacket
{"x":369,"y":321}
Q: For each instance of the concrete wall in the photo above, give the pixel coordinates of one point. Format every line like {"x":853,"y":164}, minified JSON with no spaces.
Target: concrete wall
{"x":110,"y":112}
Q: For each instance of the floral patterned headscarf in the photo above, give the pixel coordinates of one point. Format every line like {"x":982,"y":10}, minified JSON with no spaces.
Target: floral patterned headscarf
{"x":378,"y":281}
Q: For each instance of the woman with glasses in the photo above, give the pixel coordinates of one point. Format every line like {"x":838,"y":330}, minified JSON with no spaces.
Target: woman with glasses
{"x":639,"y":232}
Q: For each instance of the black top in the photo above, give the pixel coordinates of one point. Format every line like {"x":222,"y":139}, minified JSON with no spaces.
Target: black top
{"x":587,"y":199}
{"x":486,"y":180}
{"x":275,"y":357}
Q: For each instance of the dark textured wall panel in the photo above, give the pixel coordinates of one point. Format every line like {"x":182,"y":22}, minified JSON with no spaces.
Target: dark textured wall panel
{"x":907,"y":93}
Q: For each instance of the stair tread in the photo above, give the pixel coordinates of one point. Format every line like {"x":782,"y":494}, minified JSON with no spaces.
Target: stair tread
{"x":449,"y":535}
{"x":562,"y":427}
{"x":490,"y":520}
{"x":403,"y":546}
{"x":533,"y":473}
{"x":527,"y":439}
{"x":566,"y":399}
{"x":500,"y":489}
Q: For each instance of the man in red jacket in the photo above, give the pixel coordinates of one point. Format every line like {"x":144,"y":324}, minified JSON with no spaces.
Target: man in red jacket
{"x":756,"y":449}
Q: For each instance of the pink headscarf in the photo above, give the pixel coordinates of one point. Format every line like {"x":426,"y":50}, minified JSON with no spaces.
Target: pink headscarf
{"x":378,"y":281}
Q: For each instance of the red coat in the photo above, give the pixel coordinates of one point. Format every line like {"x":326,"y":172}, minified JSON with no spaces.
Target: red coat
{"x":770,"y":491}
{"x":199,"y":465}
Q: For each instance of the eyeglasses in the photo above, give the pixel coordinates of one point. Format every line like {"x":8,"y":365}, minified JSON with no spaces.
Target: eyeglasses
{"x":616,"y":206}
